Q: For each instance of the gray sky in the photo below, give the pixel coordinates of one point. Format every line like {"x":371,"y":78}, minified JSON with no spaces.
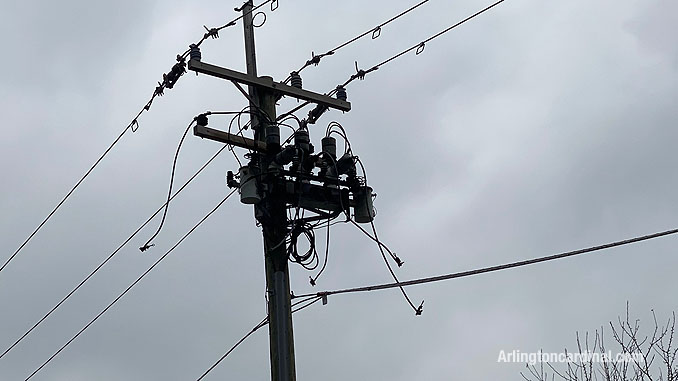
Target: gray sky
{"x":538,"y":127}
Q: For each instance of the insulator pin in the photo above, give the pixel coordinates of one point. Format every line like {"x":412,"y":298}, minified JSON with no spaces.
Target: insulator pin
{"x":195,"y":53}
{"x":341,"y":93}
{"x":296,"y":80}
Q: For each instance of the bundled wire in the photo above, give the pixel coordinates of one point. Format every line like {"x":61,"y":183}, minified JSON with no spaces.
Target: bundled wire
{"x":309,"y":260}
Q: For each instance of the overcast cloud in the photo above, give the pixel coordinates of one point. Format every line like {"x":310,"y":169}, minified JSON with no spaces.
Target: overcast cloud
{"x":539,"y":127}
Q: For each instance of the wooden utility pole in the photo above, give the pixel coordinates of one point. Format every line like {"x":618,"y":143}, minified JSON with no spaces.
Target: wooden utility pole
{"x":272,"y":191}
{"x":272,"y":214}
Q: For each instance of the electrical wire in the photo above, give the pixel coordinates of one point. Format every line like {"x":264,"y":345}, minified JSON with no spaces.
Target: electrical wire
{"x":63,"y":200}
{"x":102,"y":264}
{"x":360,"y":73}
{"x":483,"y":270}
{"x":148,"y":244}
{"x":417,"y":310}
{"x":261,"y":324}
{"x":376,"y":32}
{"x":169,"y":80}
{"x":130,"y":286}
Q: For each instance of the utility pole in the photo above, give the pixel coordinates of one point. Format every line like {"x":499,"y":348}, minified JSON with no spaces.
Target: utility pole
{"x":271,"y":212}
{"x":270,"y":187}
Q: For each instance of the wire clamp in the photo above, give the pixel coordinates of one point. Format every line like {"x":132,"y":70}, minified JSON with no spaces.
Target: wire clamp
{"x":420,"y":48}
{"x":376,"y":32}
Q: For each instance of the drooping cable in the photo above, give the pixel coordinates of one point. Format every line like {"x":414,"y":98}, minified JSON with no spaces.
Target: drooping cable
{"x":417,"y":310}
{"x":483,"y":270}
{"x":102,"y":264}
{"x":130,"y":286}
{"x":148,"y":244}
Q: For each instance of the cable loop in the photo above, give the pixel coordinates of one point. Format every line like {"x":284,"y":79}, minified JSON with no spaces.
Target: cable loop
{"x":134,"y":126}
{"x":376,"y":32}
{"x":420,"y":48}
{"x":274,"y":5}
{"x":262,"y":23}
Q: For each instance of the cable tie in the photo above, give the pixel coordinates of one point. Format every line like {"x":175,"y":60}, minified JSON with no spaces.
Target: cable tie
{"x":146,"y":247}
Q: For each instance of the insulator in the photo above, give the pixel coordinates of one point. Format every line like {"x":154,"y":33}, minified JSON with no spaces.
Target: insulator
{"x":302,"y":140}
{"x":195,"y":53}
{"x":341,"y":93}
{"x":295,"y":79}
{"x":364,"y":208}
{"x":201,"y":120}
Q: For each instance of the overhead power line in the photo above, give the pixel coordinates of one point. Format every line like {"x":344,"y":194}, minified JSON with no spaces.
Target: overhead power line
{"x":376,"y":32}
{"x":63,"y":200}
{"x":483,"y":270}
{"x":102,"y":264}
{"x":360,"y":73}
{"x":130,"y":286}
{"x":169,"y":80}
{"x":308,"y":302}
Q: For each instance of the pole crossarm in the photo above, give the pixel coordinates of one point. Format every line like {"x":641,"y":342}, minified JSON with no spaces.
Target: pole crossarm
{"x":225,"y":137}
{"x":268,"y":84}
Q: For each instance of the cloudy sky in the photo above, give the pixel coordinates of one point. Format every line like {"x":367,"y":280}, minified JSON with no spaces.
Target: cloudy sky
{"x":537,"y":128}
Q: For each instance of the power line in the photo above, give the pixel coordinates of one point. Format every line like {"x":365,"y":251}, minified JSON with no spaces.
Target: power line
{"x":102,"y":264}
{"x":360,"y":74}
{"x":131,"y":286}
{"x":63,"y":200}
{"x":169,"y":80}
{"x":376,"y":32}
{"x":264,"y":322}
{"x":464,"y":274}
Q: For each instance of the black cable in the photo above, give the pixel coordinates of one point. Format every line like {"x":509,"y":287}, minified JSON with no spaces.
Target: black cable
{"x":483,"y":270}
{"x":130,"y":286}
{"x":360,"y":74}
{"x":102,"y":264}
{"x":417,"y":310}
{"x":376,"y":31}
{"x":256,"y":328}
{"x":261,"y":324}
{"x":327,"y":252}
{"x":148,"y":244}
{"x":63,"y":200}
